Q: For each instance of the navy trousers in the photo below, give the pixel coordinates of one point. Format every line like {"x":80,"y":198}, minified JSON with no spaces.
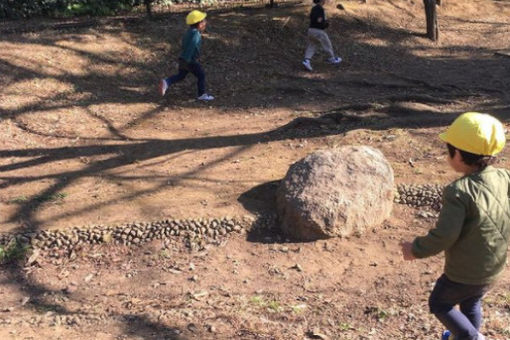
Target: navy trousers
{"x":184,"y":68}
{"x":465,"y":322}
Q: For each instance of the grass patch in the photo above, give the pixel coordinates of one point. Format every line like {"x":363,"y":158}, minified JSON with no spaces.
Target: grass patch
{"x":297,"y":309}
{"x":164,"y":254}
{"x":55,"y":197}
{"x":345,"y":326}
{"x":257,"y":300}
{"x":18,"y":200}
{"x":58,"y":196}
{"x":274,"y":306}
{"x":378,"y":313}
{"x":270,"y":305}
{"x":13,"y":251}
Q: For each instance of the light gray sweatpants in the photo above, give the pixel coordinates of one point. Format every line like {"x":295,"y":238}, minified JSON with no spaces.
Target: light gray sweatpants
{"x":318,"y":37}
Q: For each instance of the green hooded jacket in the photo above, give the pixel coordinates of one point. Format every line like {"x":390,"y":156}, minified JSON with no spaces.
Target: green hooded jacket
{"x":473,"y":227}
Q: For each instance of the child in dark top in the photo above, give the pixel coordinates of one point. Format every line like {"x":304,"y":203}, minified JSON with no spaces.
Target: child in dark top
{"x":317,"y":36}
{"x":473,"y":228}
{"x":188,"y":60}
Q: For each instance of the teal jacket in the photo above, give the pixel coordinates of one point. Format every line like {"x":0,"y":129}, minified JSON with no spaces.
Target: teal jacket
{"x":191,"y":43}
{"x":473,"y":227}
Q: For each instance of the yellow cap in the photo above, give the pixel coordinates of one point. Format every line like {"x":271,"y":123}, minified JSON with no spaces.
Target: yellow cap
{"x":194,"y":17}
{"x":477,"y":133}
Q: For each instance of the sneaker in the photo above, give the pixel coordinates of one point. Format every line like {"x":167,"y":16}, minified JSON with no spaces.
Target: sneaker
{"x":307,"y":64}
{"x":447,"y":335}
{"x":335,"y":60}
{"x":205,"y":97}
{"x":163,"y":86}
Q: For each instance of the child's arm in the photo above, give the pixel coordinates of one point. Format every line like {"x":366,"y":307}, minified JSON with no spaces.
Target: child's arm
{"x":191,"y":48}
{"x":319,"y":17}
{"x":446,"y":232}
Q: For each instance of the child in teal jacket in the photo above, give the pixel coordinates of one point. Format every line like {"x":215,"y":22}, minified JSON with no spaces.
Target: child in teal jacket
{"x":188,"y":59}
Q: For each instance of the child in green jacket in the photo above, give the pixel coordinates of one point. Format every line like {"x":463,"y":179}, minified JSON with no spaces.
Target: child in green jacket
{"x":473,"y":227}
{"x":188,"y":60}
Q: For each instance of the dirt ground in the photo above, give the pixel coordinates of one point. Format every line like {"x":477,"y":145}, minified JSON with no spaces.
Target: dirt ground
{"x":86,"y":139}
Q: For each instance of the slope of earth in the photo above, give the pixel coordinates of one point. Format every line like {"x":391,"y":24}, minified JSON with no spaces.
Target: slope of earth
{"x":85,"y":139}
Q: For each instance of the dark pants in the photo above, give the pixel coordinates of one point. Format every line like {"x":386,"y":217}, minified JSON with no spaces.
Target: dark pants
{"x":463,"y":324}
{"x":184,"y":69}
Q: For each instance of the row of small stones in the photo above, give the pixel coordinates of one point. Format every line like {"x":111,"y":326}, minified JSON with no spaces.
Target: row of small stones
{"x":192,"y":231}
{"x":416,"y":195}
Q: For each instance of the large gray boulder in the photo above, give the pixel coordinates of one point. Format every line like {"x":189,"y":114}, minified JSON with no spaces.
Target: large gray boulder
{"x":335,"y":192}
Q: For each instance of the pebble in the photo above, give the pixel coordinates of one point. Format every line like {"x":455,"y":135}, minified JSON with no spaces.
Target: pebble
{"x":70,"y":289}
{"x":316,"y":334}
{"x":297,"y":267}
{"x":25,"y":300}
{"x":192,"y":328}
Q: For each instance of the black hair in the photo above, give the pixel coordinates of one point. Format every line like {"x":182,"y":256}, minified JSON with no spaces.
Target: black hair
{"x":472,"y":159}
{"x":195,"y":25}
{"x":316,"y":1}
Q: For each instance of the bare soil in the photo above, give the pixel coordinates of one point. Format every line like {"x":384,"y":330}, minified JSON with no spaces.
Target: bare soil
{"x":85,"y":139}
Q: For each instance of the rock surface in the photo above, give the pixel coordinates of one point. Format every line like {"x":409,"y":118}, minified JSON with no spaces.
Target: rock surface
{"x":335,"y":192}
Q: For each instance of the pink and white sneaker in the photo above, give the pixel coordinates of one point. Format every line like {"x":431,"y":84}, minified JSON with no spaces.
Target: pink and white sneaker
{"x":163,"y":86}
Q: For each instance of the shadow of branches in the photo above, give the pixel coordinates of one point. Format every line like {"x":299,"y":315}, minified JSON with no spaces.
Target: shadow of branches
{"x":252,"y":60}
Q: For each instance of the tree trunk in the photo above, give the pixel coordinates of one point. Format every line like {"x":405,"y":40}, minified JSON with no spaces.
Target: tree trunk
{"x":431,"y":15}
{"x":148,"y":7}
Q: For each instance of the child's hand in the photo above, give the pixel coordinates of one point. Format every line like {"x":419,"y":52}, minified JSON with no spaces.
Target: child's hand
{"x":407,"y":252}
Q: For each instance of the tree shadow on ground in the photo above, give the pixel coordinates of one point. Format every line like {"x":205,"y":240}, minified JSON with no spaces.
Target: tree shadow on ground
{"x":336,"y":121}
{"x":255,"y":81}
{"x":258,"y":80}
{"x":265,"y":77}
{"x":261,"y":202}
{"x":147,"y":329}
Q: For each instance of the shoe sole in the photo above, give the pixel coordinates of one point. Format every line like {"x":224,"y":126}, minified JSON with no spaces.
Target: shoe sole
{"x":335,"y":63}
{"x":161,"y":90}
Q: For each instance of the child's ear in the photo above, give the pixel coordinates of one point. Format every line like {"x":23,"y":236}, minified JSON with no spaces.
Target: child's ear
{"x":459,"y":155}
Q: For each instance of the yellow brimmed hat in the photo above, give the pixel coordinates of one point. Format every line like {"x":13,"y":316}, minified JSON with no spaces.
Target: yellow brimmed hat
{"x":194,"y":17}
{"x":477,"y":133}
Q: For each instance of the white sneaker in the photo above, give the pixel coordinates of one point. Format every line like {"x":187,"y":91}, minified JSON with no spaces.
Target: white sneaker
{"x":335,"y":60}
{"x":163,"y":86}
{"x":307,"y":64}
{"x":205,"y":97}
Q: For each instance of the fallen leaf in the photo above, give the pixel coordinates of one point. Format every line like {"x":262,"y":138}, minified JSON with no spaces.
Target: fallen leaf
{"x":33,"y":258}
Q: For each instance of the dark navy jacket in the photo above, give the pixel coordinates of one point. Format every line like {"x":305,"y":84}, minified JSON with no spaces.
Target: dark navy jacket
{"x":318,"y":18}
